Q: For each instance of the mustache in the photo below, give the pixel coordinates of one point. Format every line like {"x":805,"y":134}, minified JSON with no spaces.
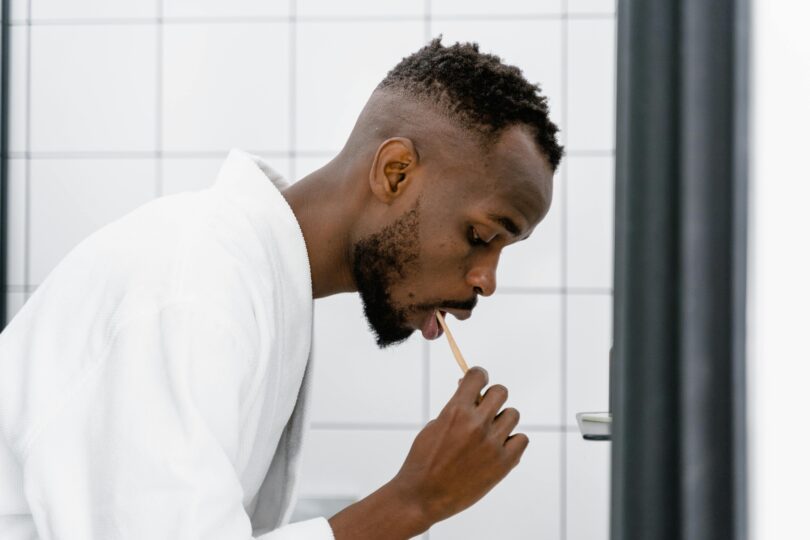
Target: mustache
{"x":456,"y":304}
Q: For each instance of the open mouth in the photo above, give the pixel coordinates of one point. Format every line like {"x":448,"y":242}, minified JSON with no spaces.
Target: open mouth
{"x":430,"y":326}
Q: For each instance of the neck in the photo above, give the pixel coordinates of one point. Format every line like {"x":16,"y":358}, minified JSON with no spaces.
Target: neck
{"x":328,"y":226}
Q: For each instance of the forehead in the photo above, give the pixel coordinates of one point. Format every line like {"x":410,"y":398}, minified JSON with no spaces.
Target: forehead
{"x":513,"y":177}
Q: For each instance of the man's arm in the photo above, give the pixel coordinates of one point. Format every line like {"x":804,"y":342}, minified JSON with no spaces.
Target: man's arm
{"x":454,"y":461}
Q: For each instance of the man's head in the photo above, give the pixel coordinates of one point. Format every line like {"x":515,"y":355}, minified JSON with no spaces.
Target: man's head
{"x":459,"y":154}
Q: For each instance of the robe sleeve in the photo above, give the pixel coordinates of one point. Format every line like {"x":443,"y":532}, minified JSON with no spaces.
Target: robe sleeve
{"x":145,"y":444}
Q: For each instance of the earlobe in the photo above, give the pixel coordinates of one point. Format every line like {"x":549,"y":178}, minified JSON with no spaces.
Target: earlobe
{"x":392,"y":168}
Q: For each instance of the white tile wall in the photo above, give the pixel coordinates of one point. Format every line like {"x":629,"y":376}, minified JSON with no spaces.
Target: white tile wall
{"x":591,"y":7}
{"x":148,"y":99}
{"x":14,"y":302}
{"x":328,"y":101}
{"x":591,"y":83}
{"x":191,"y":174}
{"x":71,"y":198}
{"x":449,"y":8}
{"x":17,"y":170}
{"x":86,"y":97}
{"x":360,"y":8}
{"x":524,"y":506}
{"x":355,"y":382}
{"x":590,"y":221}
{"x":226,"y":85}
{"x":18,"y":88}
{"x":517,"y":339}
{"x":19,"y":9}
{"x":588,"y":338}
{"x":96,"y":9}
{"x":231,"y":8}
{"x":588,"y":489}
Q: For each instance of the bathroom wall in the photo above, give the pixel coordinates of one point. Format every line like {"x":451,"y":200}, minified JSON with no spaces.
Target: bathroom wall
{"x":115,"y":103}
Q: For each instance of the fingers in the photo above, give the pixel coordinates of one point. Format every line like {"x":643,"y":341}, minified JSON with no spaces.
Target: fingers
{"x":471,"y":384}
{"x":514,"y":447}
{"x":505,"y":422}
{"x":493,"y":400}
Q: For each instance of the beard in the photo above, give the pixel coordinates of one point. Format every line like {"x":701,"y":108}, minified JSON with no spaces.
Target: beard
{"x":379,"y":261}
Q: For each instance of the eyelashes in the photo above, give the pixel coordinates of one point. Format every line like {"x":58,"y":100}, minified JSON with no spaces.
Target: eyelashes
{"x":473,"y":238}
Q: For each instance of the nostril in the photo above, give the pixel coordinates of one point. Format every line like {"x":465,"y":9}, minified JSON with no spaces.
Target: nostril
{"x":478,"y":291}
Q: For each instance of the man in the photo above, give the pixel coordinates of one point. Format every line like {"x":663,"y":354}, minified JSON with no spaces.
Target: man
{"x":155,"y":385}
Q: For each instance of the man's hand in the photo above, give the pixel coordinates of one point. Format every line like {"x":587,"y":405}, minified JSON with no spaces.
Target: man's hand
{"x":462,"y":454}
{"x":453,"y":462}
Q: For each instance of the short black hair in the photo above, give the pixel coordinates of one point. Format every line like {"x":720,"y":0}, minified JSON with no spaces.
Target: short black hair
{"x":478,"y":90}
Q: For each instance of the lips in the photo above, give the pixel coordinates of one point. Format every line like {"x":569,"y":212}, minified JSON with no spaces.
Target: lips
{"x":430,"y":326}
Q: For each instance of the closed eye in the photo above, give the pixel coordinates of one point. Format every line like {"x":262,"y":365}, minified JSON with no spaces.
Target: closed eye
{"x":474,"y":239}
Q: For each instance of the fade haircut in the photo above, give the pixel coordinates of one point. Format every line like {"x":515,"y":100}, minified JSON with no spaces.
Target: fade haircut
{"x":476,"y":90}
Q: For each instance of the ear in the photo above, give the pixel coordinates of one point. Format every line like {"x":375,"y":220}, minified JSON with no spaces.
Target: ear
{"x":392,"y":169}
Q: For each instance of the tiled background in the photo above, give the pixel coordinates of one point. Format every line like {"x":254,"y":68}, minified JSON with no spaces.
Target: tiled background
{"x":117,"y":102}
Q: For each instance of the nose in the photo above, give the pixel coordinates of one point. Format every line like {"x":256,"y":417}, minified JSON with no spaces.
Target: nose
{"x":482,"y":276}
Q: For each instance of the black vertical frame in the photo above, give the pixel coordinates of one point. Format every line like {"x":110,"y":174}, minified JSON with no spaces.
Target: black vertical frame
{"x":678,"y":460}
{"x":4,"y":189}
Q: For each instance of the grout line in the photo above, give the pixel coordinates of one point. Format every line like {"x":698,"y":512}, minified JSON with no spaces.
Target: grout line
{"x":265,"y":19}
{"x":191,"y":154}
{"x":155,"y":154}
{"x":159,"y":187}
{"x":292,"y":132}
{"x":27,"y":187}
{"x":564,"y":298}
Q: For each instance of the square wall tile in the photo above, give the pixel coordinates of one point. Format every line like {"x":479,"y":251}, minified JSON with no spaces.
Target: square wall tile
{"x":354,"y":380}
{"x":193,"y":174}
{"x":92,"y":9}
{"x":351,"y":463}
{"x":189,"y":174}
{"x":18,"y":89}
{"x":19,"y":10}
{"x":590,"y":221}
{"x":523,"y":506}
{"x":448,"y":8}
{"x":589,"y":336}
{"x":537,"y":261}
{"x":72,"y":198}
{"x":231,"y":8}
{"x":591,"y":84}
{"x":93,"y":87}
{"x":226,"y":85}
{"x":517,"y":339}
{"x":534,"y":46}
{"x":307,"y":165}
{"x":360,"y":8}
{"x":338,"y":66}
{"x":17,"y":169}
{"x":587,"y":495}
{"x":591,"y":7}
{"x":14,"y":302}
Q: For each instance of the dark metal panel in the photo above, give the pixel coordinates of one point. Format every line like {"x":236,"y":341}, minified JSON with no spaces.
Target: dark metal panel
{"x":5,"y":68}
{"x":679,"y":309}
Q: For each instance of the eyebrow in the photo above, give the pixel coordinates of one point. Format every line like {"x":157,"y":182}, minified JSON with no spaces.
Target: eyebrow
{"x":507,"y":224}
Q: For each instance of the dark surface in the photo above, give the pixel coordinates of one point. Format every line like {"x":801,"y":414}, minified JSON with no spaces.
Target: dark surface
{"x":678,"y":469}
{"x":4,"y":89}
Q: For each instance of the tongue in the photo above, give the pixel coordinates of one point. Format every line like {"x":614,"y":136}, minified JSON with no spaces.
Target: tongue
{"x":431,"y":330}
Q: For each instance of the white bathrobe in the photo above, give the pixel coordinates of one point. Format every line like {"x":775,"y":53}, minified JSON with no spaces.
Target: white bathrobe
{"x":155,"y":385}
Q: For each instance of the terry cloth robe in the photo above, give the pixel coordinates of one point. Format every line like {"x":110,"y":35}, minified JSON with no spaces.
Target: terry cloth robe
{"x":155,"y":384}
